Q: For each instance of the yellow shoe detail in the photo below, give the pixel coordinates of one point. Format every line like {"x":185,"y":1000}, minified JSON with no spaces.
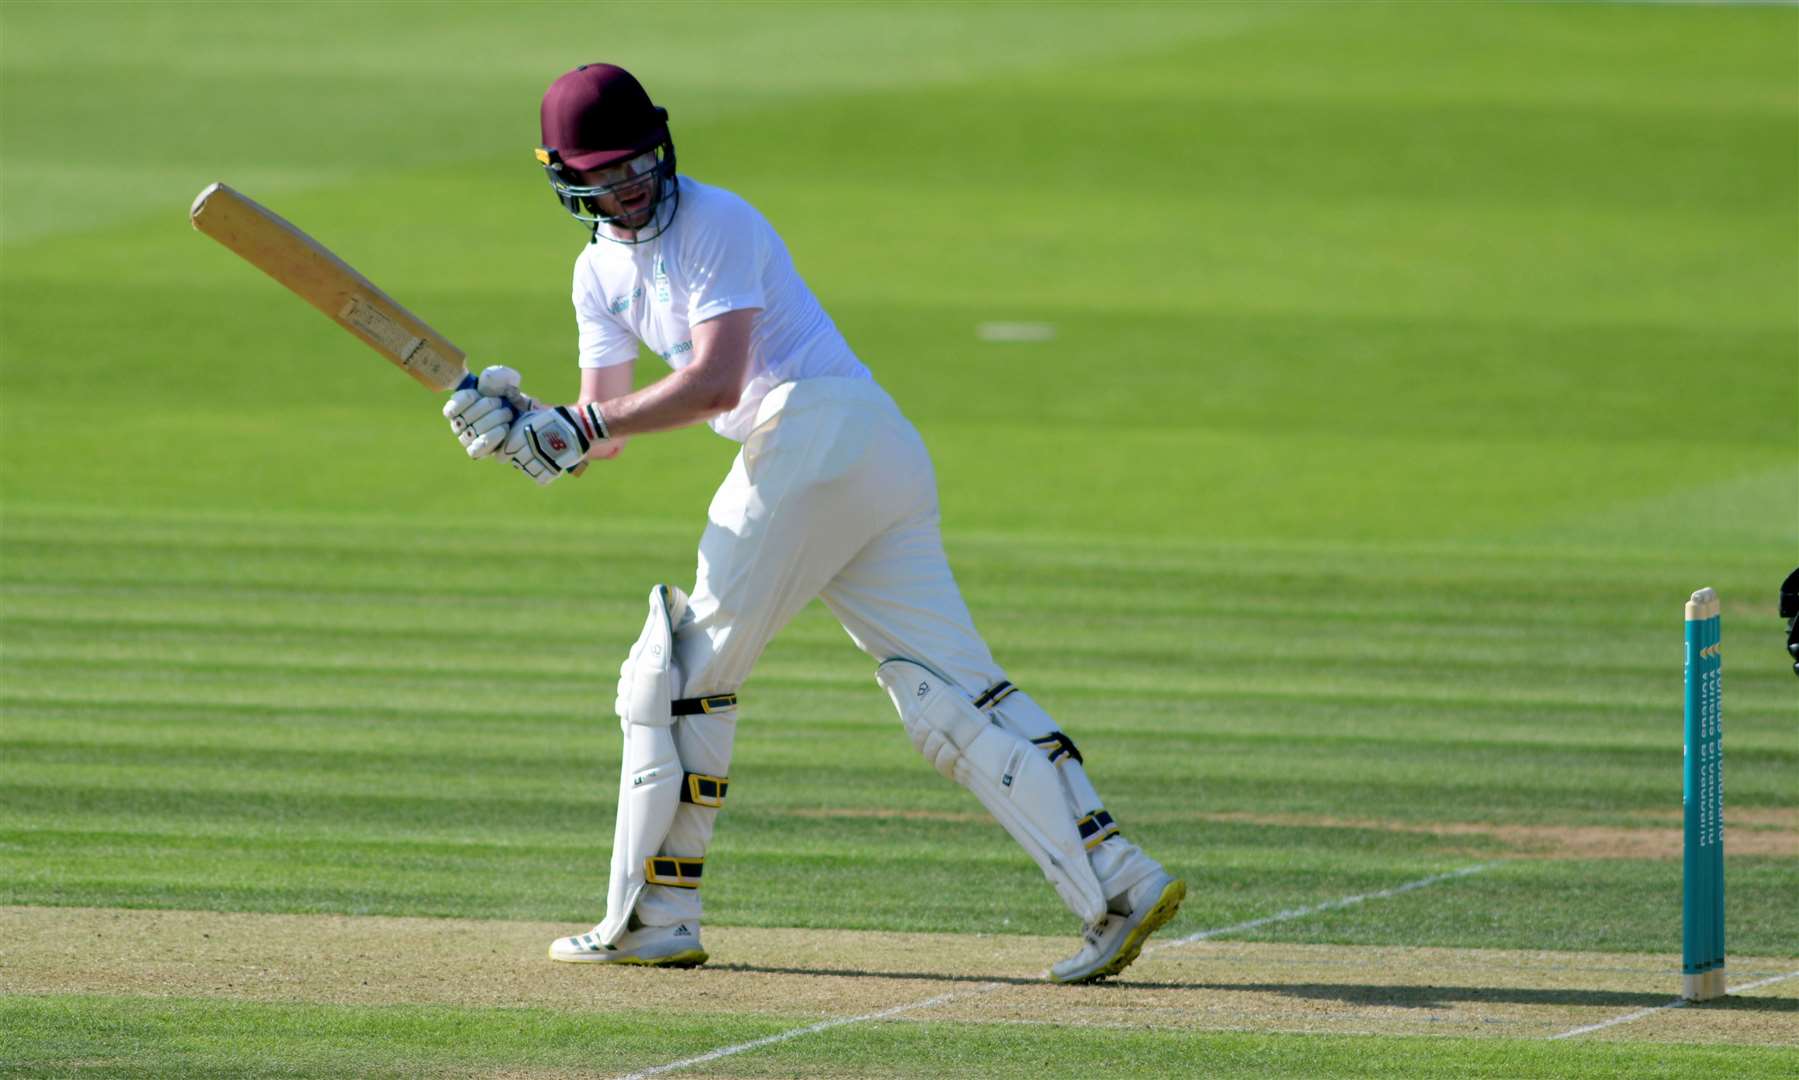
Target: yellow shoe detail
{"x":1165,"y":907}
{"x":583,"y":949}
{"x":690,"y":958}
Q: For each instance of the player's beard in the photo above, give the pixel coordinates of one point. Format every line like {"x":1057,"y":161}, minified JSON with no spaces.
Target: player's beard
{"x":634,"y":214}
{"x":636,"y":219}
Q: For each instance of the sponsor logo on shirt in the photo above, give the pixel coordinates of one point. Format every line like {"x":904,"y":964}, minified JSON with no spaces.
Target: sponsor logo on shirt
{"x":681,"y":347}
{"x":617,"y":307}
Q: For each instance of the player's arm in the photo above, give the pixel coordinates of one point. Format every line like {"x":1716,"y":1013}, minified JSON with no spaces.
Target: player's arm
{"x":710,"y":385}
{"x":545,"y":443}
{"x":600,"y":385}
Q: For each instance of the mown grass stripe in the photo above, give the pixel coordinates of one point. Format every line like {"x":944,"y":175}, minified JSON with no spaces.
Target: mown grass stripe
{"x":241,"y":683}
{"x":1155,"y":600}
{"x":285,"y":529}
{"x":324,"y":682}
{"x":76,"y":641}
{"x":174,"y":747}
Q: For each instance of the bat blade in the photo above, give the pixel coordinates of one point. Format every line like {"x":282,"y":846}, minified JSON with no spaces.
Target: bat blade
{"x":283,"y":251}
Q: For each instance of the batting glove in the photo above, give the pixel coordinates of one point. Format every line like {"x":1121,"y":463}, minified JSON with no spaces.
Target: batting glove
{"x":502,"y":382}
{"x":481,"y":415}
{"x":546,"y":443}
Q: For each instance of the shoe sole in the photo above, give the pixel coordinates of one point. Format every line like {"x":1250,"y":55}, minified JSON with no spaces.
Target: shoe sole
{"x":691,"y":958}
{"x":1165,"y":907}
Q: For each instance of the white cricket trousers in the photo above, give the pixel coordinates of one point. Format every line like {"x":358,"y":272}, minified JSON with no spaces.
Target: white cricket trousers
{"x":832,"y":495}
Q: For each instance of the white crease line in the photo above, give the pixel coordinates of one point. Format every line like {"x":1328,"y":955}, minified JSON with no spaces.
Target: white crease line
{"x":1329,"y":905}
{"x":1625,"y":1019}
{"x":954,"y":995}
{"x":823,"y":1025}
{"x":1677,"y":1003}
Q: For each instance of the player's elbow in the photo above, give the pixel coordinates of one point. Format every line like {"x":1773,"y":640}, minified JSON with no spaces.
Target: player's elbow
{"x":717,"y":389}
{"x":723,"y":397}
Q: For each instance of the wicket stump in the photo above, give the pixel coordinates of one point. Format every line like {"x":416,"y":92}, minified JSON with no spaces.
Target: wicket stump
{"x":1702,"y":797}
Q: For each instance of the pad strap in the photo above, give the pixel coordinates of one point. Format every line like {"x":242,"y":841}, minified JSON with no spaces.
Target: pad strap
{"x":1096,"y":828}
{"x":672,"y":871}
{"x":702,"y":790}
{"x":1014,"y":779}
{"x":994,"y":694}
{"x":1059,"y":747}
{"x":711,"y":703}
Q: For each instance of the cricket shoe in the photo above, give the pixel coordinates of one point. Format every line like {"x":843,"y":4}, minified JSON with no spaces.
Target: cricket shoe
{"x":676,"y":946}
{"x":1109,"y":945}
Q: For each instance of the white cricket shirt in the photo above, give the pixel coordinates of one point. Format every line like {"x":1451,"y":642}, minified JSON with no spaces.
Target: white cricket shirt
{"x":718,"y":255}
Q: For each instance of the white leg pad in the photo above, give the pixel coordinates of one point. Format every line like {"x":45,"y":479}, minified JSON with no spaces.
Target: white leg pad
{"x":704,"y":744}
{"x":1013,"y":779}
{"x":1118,"y":863}
{"x":649,"y":792}
{"x":651,"y":774}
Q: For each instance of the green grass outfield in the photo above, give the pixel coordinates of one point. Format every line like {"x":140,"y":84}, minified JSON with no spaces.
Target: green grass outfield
{"x":206,"y":1039}
{"x":1411,"y":364}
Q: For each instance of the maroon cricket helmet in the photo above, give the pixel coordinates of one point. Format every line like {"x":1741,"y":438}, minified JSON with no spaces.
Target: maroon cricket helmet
{"x":599,"y":115}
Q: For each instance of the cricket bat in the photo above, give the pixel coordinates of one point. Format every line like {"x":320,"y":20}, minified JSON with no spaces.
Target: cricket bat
{"x":283,"y":251}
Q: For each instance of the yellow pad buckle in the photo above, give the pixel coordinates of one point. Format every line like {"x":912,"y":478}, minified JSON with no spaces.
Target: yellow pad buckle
{"x":1096,"y":828}
{"x":673,"y":871}
{"x":703,"y":790}
{"x":711,"y":703}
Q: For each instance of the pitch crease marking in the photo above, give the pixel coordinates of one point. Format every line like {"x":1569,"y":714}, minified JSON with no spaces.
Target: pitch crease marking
{"x":823,"y":1025}
{"x":985,"y":988}
{"x":1329,"y":905}
{"x":1677,"y":1003}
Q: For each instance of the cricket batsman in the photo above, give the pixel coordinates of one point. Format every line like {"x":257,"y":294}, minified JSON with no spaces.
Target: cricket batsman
{"x":831,"y":495}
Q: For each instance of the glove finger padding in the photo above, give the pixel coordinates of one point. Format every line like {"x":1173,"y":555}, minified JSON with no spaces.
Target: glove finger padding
{"x":482,"y":426}
{"x":498,"y":381}
{"x":503,"y":382}
{"x":492,"y":410}
{"x":481,"y":445}
{"x":458,"y":402}
{"x":472,"y":409}
{"x":498,"y":417}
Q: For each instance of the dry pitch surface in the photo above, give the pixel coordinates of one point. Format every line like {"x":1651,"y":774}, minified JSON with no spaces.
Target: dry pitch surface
{"x":1200,"y":985}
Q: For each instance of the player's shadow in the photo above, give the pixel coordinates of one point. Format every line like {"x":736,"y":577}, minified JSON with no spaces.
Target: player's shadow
{"x":1435,"y":997}
{"x":854,"y":973}
{"x":1367,"y":995}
